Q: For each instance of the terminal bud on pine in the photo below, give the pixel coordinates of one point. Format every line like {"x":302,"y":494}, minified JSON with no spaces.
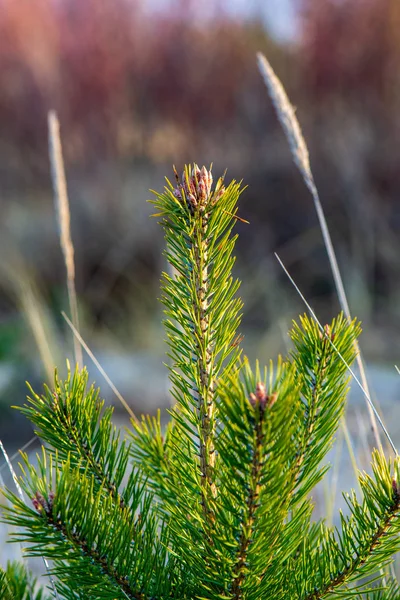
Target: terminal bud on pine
{"x":194,"y":188}
{"x":261,"y":398}
{"x":327,"y":334}
{"x":41,"y":504}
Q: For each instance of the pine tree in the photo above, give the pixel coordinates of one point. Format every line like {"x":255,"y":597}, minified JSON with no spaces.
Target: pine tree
{"x":218,"y":504}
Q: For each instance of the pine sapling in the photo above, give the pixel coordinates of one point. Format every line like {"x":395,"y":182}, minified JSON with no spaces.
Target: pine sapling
{"x":217,"y":504}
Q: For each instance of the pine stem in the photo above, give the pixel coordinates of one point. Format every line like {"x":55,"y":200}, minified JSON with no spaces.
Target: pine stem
{"x":204,"y":362}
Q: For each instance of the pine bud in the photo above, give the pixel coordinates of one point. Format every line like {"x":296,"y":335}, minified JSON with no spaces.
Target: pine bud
{"x":195,"y":188}
{"x":202,"y":191}
{"x":41,"y":504}
{"x":261,"y":398}
{"x":272,"y":399}
{"x":191,"y":198}
{"x":253,"y":399}
{"x":261,"y":392}
{"x":327,"y":333}
{"x":36,"y":504}
{"x":396,"y":490}
{"x":206,"y":179}
{"x":217,"y":195}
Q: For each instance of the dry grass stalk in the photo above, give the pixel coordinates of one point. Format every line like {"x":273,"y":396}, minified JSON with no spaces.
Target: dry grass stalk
{"x":64,"y":221}
{"x":350,"y":370}
{"x":288,"y":120}
{"x":82,"y":342}
{"x":18,"y":280}
{"x":298,"y":147}
{"x":35,"y":314}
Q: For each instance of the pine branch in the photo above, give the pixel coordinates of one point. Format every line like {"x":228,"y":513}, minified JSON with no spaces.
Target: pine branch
{"x":261,"y":402}
{"x":71,"y":419}
{"x":202,"y":316}
{"x":202,"y":312}
{"x":91,"y":538}
{"x":322,"y":376}
{"x":366,"y":543}
{"x":320,"y":385}
{"x":255,"y":444}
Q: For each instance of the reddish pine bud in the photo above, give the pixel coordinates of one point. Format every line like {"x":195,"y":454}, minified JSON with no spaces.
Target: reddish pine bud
{"x":195,"y":188}
{"x":396,"y":490}
{"x":206,"y":179}
{"x":39,"y":502}
{"x":272,"y":399}
{"x":253,"y":399}
{"x":261,"y":398}
{"x":202,"y":191}
{"x":261,"y":392}
{"x":327,"y":333}
{"x":36,"y":504}
{"x":177,"y":192}
{"x":51,"y":499}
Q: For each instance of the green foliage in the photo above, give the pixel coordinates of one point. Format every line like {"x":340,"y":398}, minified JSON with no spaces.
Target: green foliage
{"x":218,"y":504}
{"x":17,"y":583}
{"x":390,"y":592}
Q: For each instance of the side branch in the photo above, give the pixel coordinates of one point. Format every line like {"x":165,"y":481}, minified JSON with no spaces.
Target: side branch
{"x":363,"y":554}
{"x":72,"y":433}
{"x":101,"y":562}
{"x":260,"y":401}
{"x":311,"y":412}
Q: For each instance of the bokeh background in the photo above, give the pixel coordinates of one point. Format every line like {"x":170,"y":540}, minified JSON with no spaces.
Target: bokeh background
{"x":141,"y":85}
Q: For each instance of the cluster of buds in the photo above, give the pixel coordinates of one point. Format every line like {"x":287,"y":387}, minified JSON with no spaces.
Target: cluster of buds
{"x":195,"y":188}
{"x":326,"y":334}
{"x":41,"y":504}
{"x":261,"y":398}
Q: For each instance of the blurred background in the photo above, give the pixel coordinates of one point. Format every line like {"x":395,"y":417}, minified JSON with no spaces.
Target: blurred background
{"x":141,"y":85}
